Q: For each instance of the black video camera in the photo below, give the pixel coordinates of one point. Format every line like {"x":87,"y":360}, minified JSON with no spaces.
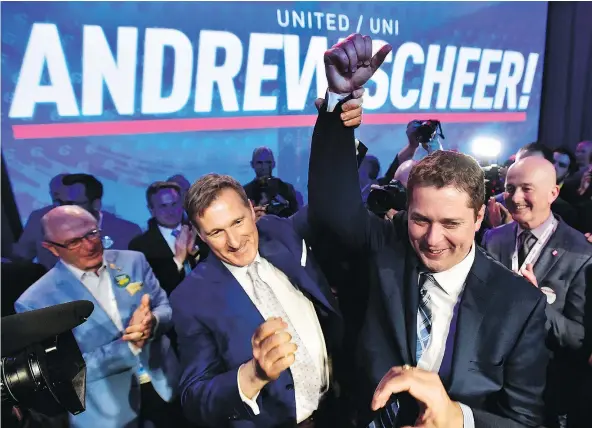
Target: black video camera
{"x":427,"y":130}
{"x":494,"y":184}
{"x":390,"y":196}
{"x":42,"y":367}
{"x":277,"y":204}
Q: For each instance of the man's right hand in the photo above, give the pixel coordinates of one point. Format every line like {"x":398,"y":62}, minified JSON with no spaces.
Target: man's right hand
{"x":349,"y":64}
{"x":495,"y":210}
{"x":181,"y":244}
{"x":272,"y":354}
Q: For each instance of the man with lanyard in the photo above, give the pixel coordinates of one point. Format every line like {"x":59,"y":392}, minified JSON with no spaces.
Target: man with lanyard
{"x":555,"y":258}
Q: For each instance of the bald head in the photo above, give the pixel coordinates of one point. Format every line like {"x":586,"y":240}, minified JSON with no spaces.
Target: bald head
{"x":67,"y":222}
{"x":402,"y":173}
{"x":531,"y":188}
{"x":537,"y":169}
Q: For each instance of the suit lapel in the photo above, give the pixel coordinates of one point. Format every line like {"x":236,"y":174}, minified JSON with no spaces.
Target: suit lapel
{"x":73,"y":289}
{"x":161,"y":246}
{"x":121,"y":276}
{"x":476,"y":299}
{"x":280,"y":257}
{"x":508,"y":245}
{"x":411,"y":299}
{"x":551,"y":253}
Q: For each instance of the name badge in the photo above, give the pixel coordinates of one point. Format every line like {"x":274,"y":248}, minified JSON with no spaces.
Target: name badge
{"x":134,"y":287}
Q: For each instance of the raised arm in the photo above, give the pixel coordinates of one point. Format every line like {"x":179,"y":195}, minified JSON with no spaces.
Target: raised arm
{"x":335,"y":201}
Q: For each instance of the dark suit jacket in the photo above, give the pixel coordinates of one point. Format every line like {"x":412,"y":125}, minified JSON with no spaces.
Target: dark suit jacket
{"x":160,"y":257}
{"x":30,"y":245}
{"x":562,"y":266}
{"x":499,"y":360}
{"x":215,"y":320}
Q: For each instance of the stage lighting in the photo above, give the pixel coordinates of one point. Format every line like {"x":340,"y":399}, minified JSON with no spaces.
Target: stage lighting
{"x":486,"y":147}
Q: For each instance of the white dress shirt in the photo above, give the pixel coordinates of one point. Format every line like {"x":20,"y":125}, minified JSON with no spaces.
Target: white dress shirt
{"x":303,"y":317}
{"x":443,"y":299}
{"x":170,"y":239}
{"x":101,"y":287}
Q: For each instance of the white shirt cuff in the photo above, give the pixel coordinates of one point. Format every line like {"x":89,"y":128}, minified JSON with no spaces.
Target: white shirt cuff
{"x":179,"y":265}
{"x":333,"y":99}
{"x":468,"y":419}
{"x":252,"y":403}
{"x":135,"y":350}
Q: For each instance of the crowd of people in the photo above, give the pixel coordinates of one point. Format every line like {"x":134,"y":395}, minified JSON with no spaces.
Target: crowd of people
{"x":240,"y":307}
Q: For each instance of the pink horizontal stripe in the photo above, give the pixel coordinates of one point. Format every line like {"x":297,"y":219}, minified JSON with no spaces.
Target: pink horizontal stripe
{"x":163,"y":126}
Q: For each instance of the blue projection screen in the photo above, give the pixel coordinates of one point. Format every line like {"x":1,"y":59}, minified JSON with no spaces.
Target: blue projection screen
{"x":136,"y":92}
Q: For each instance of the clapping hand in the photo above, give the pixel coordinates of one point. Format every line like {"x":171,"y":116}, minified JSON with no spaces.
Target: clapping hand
{"x":141,"y":324}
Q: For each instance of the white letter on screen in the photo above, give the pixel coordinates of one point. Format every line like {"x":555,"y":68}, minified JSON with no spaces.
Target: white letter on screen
{"x":258,"y":71}
{"x":44,"y":47}
{"x":157,"y":39}
{"x":208,"y":73}
{"x":405,"y":51}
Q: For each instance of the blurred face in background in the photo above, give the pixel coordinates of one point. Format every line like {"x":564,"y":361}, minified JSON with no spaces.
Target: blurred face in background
{"x":561,"y":163}
{"x":166,"y":208}
{"x":263,"y":163}
{"x":76,"y":195}
{"x":584,"y":153}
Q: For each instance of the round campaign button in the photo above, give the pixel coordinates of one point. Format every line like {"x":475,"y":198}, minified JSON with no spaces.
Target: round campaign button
{"x":551,"y":296}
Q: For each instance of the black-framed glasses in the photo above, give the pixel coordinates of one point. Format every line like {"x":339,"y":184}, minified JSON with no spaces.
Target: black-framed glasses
{"x":75,"y":243}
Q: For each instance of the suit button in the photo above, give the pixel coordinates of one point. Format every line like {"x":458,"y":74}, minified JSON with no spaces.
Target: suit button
{"x":290,"y":386}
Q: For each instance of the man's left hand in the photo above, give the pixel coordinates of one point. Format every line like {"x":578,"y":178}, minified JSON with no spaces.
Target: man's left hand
{"x":141,"y":324}
{"x":528,"y":273}
{"x":438,"y":410}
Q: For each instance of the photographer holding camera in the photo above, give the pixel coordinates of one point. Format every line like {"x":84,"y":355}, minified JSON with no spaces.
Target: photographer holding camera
{"x":269,"y":194}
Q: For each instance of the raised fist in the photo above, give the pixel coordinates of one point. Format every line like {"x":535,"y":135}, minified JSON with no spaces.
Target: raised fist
{"x":349,"y":64}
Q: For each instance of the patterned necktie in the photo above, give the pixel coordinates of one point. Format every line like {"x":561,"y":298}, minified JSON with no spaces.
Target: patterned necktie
{"x":307,"y":383}
{"x":527,"y":241}
{"x":186,"y":264}
{"x":424,"y":315}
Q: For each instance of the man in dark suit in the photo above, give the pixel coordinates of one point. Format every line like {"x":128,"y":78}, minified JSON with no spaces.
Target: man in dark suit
{"x":171,"y":248}
{"x":555,"y":258}
{"x":259,"y":331}
{"x":481,"y":359}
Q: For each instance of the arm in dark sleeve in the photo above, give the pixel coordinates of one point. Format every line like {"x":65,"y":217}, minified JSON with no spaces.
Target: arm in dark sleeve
{"x":164,"y":268}
{"x":520,"y":401}
{"x":209,"y":391}
{"x":567,"y":327}
{"x":335,"y":201}
{"x":390,"y":173}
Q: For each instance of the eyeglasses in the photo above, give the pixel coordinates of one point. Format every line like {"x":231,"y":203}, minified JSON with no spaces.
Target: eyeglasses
{"x":75,"y":243}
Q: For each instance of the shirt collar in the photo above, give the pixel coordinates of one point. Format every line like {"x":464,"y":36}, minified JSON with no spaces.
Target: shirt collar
{"x":167,"y":230}
{"x":453,"y":279}
{"x":538,"y":231}
{"x":242,"y":270}
{"x":79,"y":273}
{"x":100,"y":222}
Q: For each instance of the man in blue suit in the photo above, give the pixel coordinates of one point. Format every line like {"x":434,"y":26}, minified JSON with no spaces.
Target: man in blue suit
{"x":128,"y":358}
{"x":258,"y":328}
{"x":446,"y":326}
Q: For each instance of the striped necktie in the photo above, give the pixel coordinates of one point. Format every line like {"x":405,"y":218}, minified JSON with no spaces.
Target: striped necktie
{"x":424,"y":315}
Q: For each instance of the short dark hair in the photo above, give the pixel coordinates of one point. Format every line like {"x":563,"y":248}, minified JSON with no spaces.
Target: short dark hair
{"x":206,"y":189}
{"x":93,"y":188}
{"x":374,"y":166}
{"x":445,"y":168}
{"x":157,"y":186}
{"x":573,"y":164}
{"x":538,"y":147}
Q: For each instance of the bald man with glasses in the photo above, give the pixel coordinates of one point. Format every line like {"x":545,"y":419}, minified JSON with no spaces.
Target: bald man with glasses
{"x":132,"y":372}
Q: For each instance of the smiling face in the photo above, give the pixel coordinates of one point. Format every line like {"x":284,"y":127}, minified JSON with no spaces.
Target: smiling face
{"x":228,"y":227}
{"x":530,"y":190}
{"x":442,"y":226}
